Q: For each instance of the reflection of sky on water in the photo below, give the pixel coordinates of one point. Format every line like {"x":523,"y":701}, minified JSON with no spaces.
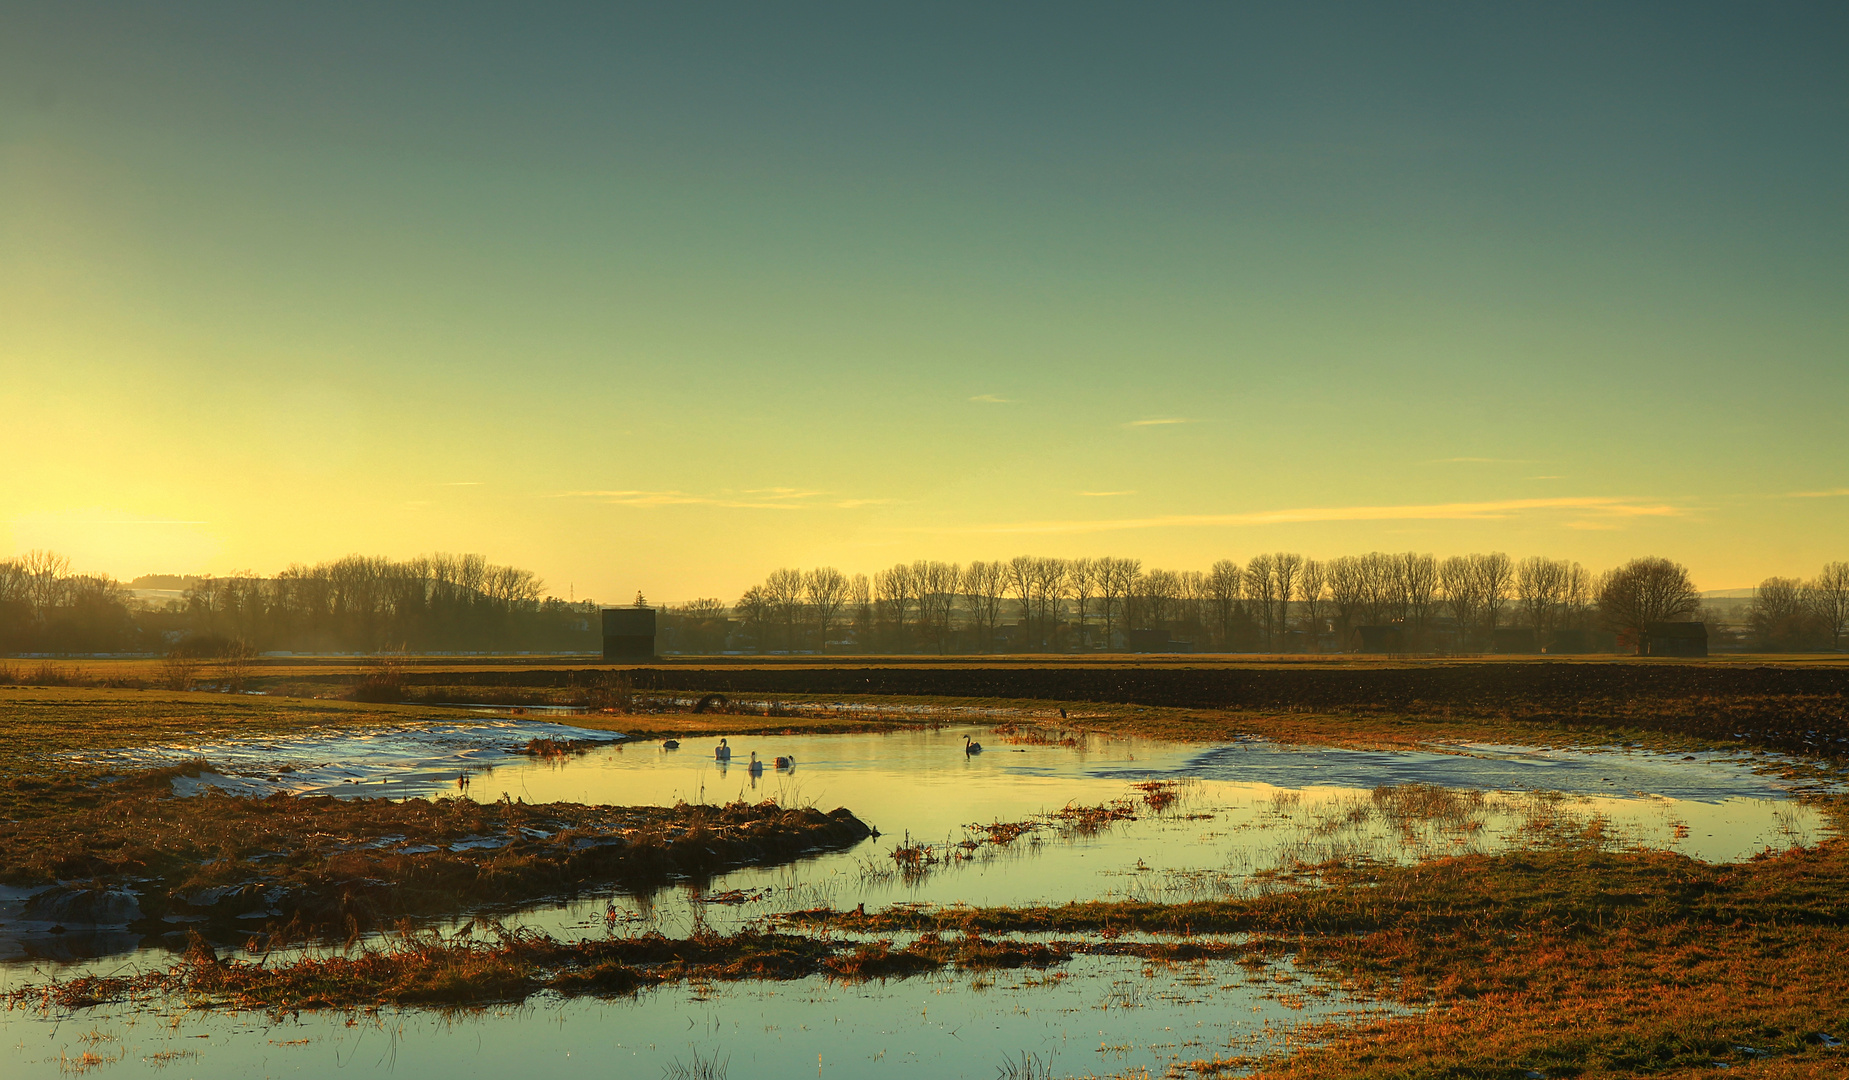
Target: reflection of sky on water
{"x":1242,"y":807}
{"x":918,"y":784}
{"x":1109,"y":1014}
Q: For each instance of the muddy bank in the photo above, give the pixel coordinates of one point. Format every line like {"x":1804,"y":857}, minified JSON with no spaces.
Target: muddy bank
{"x":133,"y":855}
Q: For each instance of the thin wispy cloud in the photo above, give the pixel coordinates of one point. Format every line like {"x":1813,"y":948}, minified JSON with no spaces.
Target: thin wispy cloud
{"x":780,"y":498}
{"x":1830,"y":494}
{"x":1104,"y":494}
{"x":992,"y":399}
{"x":1162,"y":421}
{"x":1609,"y":507}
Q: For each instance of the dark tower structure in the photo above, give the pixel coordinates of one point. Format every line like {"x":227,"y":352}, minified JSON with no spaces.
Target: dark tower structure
{"x":628,"y":633}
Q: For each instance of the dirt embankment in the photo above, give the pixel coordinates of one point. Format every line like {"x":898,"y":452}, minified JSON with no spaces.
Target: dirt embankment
{"x":1792,"y":709}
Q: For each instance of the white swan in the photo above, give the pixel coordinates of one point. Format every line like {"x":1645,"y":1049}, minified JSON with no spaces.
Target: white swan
{"x":722,"y":752}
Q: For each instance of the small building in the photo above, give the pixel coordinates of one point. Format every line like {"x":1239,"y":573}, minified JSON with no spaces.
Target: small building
{"x":1677,"y":638}
{"x":1513,"y":639}
{"x":628,"y":633}
{"x":1379,"y":639}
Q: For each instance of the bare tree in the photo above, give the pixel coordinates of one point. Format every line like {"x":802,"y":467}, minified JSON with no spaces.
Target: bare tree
{"x":860,"y":605}
{"x":1262,"y":590}
{"x":984,"y":586}
{"x":1021,"y":578}
{"x":1049,"y":597}
{"x":1645,"y":591}
{"x":1541,"y":590}
{"x":1348,"y":592}
{"x":1829,"y":598}
{"x":42,"y":573}
{"x":1578,"y":610}
{"x":1784,"y":616}
{"x":757,"y":612}
{"x":1161,"y":589}
{"x":1457,"y":580}
{"x":785,"y":587}
{"x":1286,"y":569}
{"x":1082,"y":575}
{"x":1495,"y":585}
{"x":895,"y":592}
{"x":937,"y":584}
{"x":1191,"y":617}
{"x":1418,"y":576}
{"x":1224,"y":589}
{"x":1315,"y":583}
{"x":1117,"y":580}
{"x":827,"y":591}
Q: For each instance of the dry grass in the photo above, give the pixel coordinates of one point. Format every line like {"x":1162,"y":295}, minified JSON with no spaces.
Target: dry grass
{"x":416,"y":968}
{"x":1568,"y":959}
{"x":319,"y":864}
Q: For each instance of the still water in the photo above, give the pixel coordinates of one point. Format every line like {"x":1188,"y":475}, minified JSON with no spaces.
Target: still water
{"x":1237,"y":809}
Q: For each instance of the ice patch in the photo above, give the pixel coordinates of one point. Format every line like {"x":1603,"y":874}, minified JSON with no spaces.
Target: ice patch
{"x":406,"y":761}
{"x":1705,"y":777}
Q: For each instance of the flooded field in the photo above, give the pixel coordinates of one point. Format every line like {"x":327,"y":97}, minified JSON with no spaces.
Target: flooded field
{"x":1026,"y":820}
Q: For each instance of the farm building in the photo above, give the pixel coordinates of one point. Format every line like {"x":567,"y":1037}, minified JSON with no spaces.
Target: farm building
{"x":1677,"y":639}
{"x":629,"y":633}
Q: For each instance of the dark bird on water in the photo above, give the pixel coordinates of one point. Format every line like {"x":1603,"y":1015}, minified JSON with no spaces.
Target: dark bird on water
{"x":971,"y":747}
{"x":671,"y":744}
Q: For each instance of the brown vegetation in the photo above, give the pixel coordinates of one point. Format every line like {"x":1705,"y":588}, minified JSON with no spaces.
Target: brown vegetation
{"x":319,"y":864}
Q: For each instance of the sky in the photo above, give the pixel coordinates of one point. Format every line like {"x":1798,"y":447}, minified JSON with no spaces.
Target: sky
{"x":662,"y":298}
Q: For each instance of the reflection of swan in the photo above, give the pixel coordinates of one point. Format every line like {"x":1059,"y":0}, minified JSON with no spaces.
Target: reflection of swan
{"x":671,"y":744}
{"x":722,"y":752}
{"x":786,"y":763}
{"x":970,"y":747}
{"x":756,"y":765}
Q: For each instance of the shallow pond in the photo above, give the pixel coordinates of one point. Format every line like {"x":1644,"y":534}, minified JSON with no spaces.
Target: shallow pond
{"x":1225,"y":812}
{"x":1096,"y":1016}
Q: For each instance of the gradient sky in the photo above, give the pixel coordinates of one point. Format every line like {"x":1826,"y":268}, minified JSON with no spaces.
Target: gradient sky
{"x":663,"y":299}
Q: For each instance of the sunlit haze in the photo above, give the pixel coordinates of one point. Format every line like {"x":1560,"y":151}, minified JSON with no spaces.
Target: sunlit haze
{"x":663,"y":300}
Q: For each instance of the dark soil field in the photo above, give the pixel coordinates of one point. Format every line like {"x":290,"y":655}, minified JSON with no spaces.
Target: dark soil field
{"x":1787,"y":707}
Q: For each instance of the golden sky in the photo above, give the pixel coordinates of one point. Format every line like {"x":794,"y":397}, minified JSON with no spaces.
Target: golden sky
{"x":664,"y":302}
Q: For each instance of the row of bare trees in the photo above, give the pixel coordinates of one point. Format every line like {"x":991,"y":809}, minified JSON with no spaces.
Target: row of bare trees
{"x":1273,"y":601}
{"x":354,"y":604}
{"x":1795,"y":615}
{"x":45,"y":607}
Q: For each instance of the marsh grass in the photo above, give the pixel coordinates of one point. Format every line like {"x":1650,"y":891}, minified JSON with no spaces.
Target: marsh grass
{"x":426,"y":968}
{"x":1567,"y":958}
{"x":317,"y":865}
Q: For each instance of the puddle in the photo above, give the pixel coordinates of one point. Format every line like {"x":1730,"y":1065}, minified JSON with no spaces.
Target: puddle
{"x":1099,"y":1015}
